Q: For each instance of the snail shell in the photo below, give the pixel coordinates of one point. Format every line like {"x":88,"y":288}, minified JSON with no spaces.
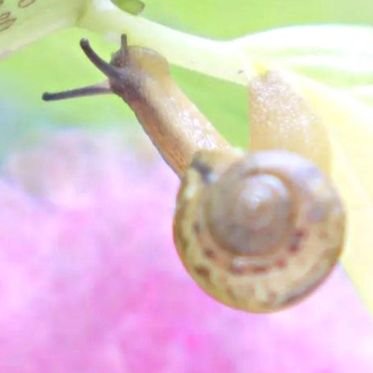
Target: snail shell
{"x":259,"y":231}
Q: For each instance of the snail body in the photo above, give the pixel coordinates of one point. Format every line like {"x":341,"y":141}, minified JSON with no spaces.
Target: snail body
{"x":140,"y":76}
{"x":257,"y":231}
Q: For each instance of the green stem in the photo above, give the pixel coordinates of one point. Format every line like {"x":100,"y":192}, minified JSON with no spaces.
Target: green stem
{"x":220,"y":59}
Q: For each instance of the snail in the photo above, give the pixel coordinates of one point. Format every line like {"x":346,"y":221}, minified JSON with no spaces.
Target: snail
{"x":257,"y":231}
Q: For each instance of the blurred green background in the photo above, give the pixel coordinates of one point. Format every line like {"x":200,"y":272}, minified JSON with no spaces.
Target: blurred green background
{"x":56,"y":63}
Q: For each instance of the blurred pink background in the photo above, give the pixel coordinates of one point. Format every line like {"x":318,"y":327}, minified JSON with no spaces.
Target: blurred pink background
{"x":91,"y":282}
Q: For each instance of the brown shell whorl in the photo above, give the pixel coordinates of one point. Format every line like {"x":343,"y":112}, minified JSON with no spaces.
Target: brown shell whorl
{"x":258,"y":232}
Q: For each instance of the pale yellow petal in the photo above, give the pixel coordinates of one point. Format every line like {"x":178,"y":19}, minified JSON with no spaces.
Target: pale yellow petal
{"x":335,"y":131}
{"x":350,"y":126}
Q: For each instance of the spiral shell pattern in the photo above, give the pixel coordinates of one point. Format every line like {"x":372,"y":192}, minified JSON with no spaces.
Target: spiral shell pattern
{"x":260,"y":231}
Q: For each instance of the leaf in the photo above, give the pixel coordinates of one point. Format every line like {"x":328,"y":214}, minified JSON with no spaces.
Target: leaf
{"x":130,"y":6}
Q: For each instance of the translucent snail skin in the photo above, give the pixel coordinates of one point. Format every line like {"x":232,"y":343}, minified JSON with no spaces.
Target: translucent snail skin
{"x":257,"y":231}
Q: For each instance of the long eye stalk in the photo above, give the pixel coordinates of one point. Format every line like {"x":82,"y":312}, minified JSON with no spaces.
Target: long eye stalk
{"x":112,"y":72}
{"x":96,"y":89}
{"x":109,"y":70}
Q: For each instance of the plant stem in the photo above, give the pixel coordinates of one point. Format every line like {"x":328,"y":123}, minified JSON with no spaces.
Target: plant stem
{"x":220,"y":59}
